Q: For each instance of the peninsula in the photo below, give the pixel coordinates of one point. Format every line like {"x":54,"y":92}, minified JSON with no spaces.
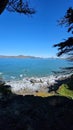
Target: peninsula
{"x":18,"y":56}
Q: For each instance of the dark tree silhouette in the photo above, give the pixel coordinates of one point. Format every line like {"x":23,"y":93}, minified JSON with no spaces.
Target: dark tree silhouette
{"x":3,"y":4}
{"x":66,"y":47}
{"x":68,"y":20}
{"x":19,"y":6}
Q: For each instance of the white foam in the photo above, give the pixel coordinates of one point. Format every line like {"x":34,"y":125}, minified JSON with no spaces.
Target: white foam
{"x":21,"y":75}
{"x":36,"y":84}
{"x":12,"y":77}
{"x":1,"y":73}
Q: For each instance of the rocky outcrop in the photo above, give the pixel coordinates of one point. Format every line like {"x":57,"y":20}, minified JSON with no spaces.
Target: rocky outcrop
{"x":1,"y":82}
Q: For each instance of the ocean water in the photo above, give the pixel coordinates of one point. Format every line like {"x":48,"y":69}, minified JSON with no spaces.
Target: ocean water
{"x":31,"y":74}
{"x":15,"y":69}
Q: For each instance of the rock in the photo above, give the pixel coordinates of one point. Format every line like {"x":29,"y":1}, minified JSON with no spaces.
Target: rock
{"x":2,"y":82}
{"x":48,"y":83}
{"x":36,"y":80}
{"x":32,"y":80}
{"x":41,"y":81}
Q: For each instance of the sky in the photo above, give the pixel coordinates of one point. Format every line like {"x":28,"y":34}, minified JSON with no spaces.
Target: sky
{"x":34,"y":35}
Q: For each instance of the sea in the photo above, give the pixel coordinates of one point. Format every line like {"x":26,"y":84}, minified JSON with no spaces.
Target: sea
{"x":21,"y":70}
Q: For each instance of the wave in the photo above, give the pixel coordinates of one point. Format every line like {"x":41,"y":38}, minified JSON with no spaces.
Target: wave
{"x":34,"y":83}
{"x":1,"y":73}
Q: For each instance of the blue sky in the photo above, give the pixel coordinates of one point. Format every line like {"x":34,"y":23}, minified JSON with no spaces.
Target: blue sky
{"x":34,"y":35}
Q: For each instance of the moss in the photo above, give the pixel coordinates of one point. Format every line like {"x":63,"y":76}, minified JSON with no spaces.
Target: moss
{"x":65,"y":91}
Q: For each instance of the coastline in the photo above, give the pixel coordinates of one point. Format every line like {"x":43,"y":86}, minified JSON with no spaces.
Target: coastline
{"x":29,"y":86}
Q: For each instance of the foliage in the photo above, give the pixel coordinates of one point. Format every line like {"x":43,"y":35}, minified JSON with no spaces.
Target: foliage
{"x":67,"y":20}
{"x":64,"y":91}
{"x":70,"y":83}
{"x":66,"y":47}
{"x":3,"y":4}
{"x":19,"y":6}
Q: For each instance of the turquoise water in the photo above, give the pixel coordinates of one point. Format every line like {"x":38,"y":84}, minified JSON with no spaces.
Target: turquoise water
{"x":20,"y":68}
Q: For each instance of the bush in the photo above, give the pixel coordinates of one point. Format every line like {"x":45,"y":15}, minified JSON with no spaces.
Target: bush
{"x":65,"y":91}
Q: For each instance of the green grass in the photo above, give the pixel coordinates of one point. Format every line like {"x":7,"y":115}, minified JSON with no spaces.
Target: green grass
{"x":65,"y":91}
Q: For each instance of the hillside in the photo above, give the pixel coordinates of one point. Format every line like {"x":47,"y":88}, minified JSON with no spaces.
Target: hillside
{"x":18,"y":56}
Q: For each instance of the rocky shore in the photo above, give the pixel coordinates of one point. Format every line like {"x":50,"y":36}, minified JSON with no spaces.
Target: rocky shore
{"x":29,"y":86}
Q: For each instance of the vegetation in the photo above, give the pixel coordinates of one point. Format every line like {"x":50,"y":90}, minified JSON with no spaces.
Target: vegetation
{"x":66,"y":47}
{"x":65,"y":91}
{"x":19,"y":6}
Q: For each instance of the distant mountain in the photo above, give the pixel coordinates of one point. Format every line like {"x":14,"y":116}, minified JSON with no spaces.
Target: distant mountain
{"x":19,"y":56}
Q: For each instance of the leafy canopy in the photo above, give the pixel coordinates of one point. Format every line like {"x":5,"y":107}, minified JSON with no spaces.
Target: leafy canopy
{"x":66,"y":47}
{"x":19,"y":6}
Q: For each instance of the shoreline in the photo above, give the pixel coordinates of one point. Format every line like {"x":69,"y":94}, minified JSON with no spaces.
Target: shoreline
{"x":34,"y":84}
